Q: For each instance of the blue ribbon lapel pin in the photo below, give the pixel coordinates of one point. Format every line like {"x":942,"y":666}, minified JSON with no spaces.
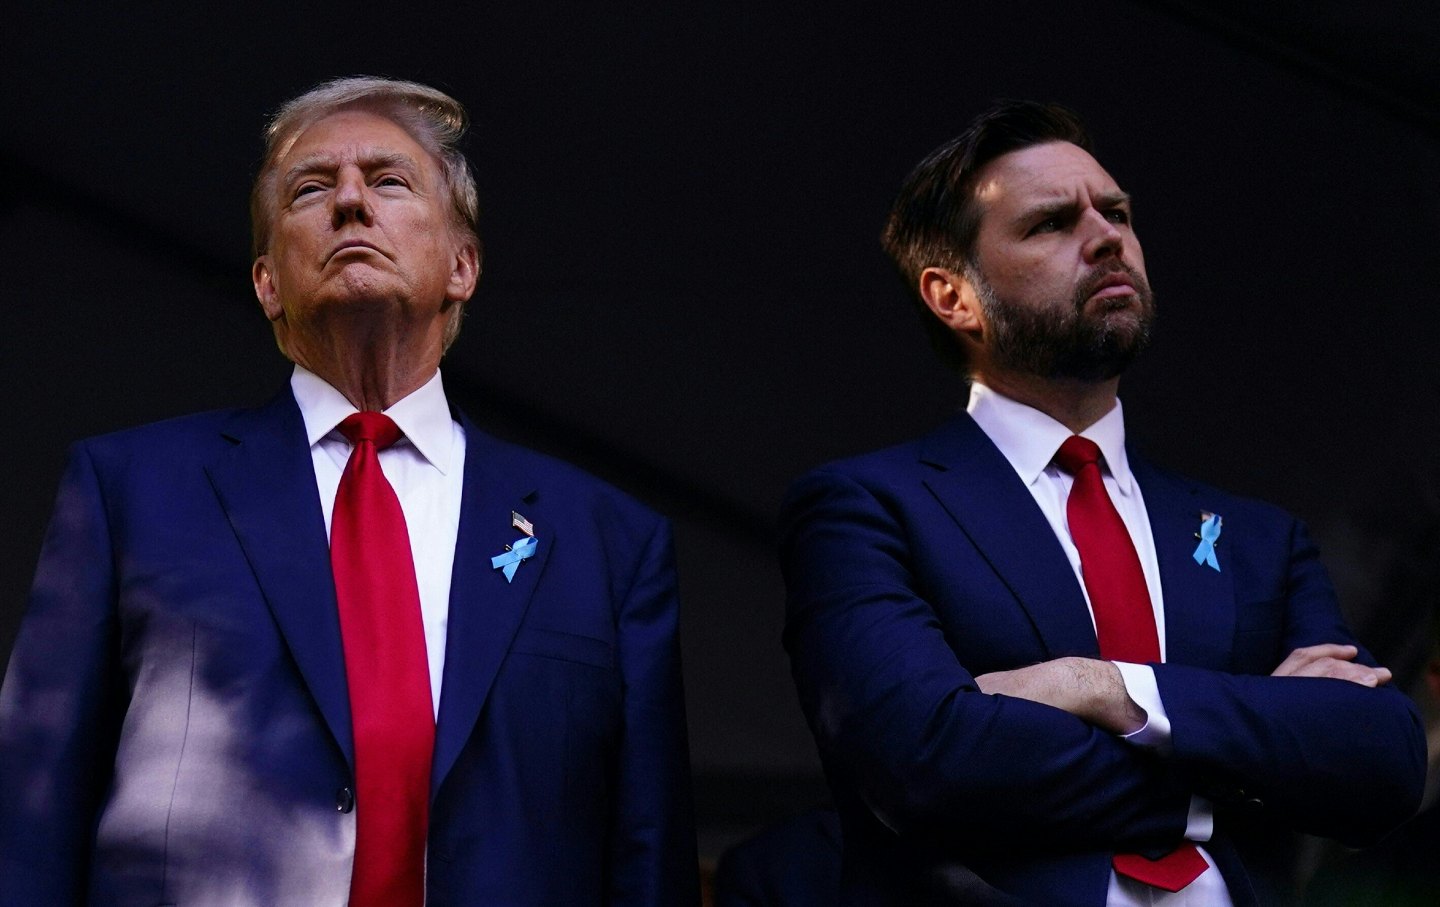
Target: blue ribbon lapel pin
{"x":1209,"y":536}
{"x":518,"y":551}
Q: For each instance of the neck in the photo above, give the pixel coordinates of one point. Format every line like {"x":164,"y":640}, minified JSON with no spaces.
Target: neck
{"x":1073,"y":403}
{"x":373,"y":371}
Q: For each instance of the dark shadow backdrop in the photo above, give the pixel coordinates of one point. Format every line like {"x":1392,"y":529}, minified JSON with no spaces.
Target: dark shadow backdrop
{"x":683,"y":290}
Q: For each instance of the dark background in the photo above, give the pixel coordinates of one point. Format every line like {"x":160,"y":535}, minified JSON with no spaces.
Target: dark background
{"x":683,"y":290}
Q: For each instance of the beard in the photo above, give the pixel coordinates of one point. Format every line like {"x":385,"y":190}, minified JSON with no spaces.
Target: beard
{"x":1060,"y":339}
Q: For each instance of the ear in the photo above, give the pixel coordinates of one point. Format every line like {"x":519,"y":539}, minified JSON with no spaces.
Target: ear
{"x":1432,"y":677}
{"x":265,"y":291}
{"x":953,"y":300}
{"x":464,"y":274}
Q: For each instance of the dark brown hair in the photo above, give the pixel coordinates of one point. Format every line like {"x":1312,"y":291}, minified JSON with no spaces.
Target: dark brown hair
{"x":935,"y":218}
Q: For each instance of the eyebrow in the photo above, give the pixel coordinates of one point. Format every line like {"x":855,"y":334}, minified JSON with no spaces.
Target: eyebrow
{"x":1112,"y":199}
{"x":368,"y":160}
{"x":1105,"y":201}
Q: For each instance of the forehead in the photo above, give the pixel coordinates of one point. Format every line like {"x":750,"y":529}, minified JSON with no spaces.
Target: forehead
{"x":353,"y":136}
{"x":1039,"y":175}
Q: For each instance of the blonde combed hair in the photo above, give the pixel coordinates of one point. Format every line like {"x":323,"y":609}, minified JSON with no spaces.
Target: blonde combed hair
{"x":433,"y":118}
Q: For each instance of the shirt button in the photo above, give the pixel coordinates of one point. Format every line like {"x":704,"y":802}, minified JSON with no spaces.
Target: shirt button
{"x":344,"y":800}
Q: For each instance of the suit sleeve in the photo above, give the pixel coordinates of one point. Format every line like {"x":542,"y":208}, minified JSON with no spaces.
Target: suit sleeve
{"x":652,"y":852}
{"x":61,"y":703}
{"x":1334,"y":758}
{"x":899,"y":719}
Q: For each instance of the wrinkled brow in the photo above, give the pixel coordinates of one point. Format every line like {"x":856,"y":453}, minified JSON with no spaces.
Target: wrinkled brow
{"x":325,"y":162}
{"x":1069,"y":207}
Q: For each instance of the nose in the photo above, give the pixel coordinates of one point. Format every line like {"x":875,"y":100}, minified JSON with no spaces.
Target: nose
{"x":351,"y":200}
{"x":1103,"y":238}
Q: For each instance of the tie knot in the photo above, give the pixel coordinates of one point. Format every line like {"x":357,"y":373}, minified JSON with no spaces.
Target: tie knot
{"x":1077,"y":453}
{"x":377,"y":428}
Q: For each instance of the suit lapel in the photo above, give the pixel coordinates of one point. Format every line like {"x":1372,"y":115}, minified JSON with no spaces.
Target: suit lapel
{"x":1199,"y":601}
{"x":266,"y":485}
{"x":485,"y":610}
{"x":981,"y":492}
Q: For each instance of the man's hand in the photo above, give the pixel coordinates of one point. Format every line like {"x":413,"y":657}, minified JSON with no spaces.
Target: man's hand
{"x":1331,"y":660}
{"x":1087,"y":688}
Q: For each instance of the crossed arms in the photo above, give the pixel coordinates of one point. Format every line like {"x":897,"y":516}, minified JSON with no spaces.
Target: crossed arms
{"x":1094,"y":691}
{"x":931,"y":693}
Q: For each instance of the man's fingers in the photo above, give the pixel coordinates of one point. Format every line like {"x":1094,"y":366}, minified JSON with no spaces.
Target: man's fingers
{"x":1331,"y":660}
{"x":1297,"y":664}
{"x":1341,"y":669}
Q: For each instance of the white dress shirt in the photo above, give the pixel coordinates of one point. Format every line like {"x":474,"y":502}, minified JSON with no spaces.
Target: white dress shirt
{"x":426,"y":467}
{"x":1029,"y":439}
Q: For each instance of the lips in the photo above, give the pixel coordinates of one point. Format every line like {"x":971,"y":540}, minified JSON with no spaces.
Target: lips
{"x":1110,"y":284}
{"x":353,"y":244}
{"x":1113,"y":285}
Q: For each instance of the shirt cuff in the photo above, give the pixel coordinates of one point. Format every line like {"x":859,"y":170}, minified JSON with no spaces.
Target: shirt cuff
{"x":1140,"y":685}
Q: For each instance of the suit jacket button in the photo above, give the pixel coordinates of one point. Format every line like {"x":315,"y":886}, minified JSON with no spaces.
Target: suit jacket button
{"x":344,"y":800}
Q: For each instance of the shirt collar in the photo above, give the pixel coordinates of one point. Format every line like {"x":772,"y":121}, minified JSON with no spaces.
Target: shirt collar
{"x":423,"y":416}
{"x":1029,"y":438}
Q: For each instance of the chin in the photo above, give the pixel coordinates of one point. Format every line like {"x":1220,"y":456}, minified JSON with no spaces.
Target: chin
{"x":363,"y":290}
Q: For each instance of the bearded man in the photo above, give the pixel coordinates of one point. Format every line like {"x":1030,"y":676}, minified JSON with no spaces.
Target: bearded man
{"x":1038,"y":668}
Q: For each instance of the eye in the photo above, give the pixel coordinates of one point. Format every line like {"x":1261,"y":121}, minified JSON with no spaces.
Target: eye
{"x":1118,"y":216}
{"x":308,"y":188}
{"x":390,"y":179}
{"x":1048,"y":225}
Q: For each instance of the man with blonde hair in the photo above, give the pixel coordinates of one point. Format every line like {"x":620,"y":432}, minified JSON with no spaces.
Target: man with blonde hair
{"x":346,"y":648}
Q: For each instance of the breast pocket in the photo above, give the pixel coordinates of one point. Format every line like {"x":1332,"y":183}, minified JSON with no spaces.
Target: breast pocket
{"x":569,"y":686}
{"x":583,"y":650}
{"x":559,"y":699}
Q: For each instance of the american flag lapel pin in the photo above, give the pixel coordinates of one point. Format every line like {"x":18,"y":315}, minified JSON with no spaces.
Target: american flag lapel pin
{"x":524,"y":525}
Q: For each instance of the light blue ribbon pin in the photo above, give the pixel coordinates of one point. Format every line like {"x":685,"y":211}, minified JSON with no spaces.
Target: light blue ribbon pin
{"x":509,"y":562}
{"x":1209,"y":535}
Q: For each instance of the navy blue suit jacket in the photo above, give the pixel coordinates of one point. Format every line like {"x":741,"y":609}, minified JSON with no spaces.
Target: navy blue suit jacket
{"x":915,"y":569}
{"x":794,"y":862}
{"x":175,"y":727}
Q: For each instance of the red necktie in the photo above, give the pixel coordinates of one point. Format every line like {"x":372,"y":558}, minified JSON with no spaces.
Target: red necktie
{"x":387,"y":672}
{"x":1124,"y":620}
